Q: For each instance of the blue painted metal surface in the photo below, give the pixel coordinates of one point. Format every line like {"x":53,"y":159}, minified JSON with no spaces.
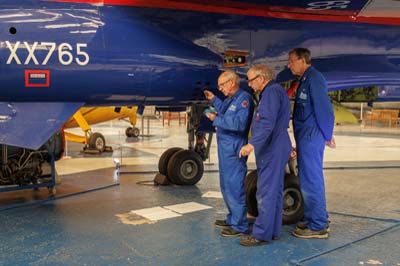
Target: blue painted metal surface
{"x":134,"y":55}
{"x":161,"y":55}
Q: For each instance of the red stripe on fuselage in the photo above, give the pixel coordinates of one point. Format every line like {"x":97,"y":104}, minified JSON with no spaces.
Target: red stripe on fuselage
{"x":247,"y":9}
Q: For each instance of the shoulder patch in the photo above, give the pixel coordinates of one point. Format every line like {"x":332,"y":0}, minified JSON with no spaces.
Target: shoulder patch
{"x":245,"y":104}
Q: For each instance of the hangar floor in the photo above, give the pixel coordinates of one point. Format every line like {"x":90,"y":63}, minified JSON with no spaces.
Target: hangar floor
{"x":100,"y":218}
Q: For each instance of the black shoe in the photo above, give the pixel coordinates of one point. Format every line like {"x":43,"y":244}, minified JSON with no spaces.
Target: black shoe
{"x":230,"y":232}
{"x":302,"y":224}
{"x":221,"y":224}
{"x":251,"y":241}
{"x":308,"y":233}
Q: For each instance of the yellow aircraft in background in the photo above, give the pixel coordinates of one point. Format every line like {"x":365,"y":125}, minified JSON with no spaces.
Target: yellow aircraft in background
{"x":86,"y":116}
{"x":343,"y":115}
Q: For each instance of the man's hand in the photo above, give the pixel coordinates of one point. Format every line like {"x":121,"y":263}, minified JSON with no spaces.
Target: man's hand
{"x":209,"y":95}
{"x":332,"y":143}
{"x":246,"y":150}
{"x":211,"y":116}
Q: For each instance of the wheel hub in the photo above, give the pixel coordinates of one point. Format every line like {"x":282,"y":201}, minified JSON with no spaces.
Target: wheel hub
{"x":189,"y":169}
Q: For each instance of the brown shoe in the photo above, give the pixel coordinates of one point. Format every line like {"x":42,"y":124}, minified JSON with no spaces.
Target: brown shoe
{"x":251,"y":241}
{"x":230,"y":232}
{"x":308,"y":233}
{"x":221,"y":224}
{"x":304,"y":224}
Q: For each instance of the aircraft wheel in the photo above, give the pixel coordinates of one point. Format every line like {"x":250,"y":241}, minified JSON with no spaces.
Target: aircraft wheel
{"x":97,"y":142}
{"x":128,"y":132}
{"x":185,"y":168}
{"x":293,"y":209}
{"x":292,"y":200}
{"x":132,"y":132}
{"x":136,"y":132}
{"x":164,"y":159}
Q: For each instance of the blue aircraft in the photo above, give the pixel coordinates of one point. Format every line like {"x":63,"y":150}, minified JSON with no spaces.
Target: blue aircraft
{"x":59,"y":55}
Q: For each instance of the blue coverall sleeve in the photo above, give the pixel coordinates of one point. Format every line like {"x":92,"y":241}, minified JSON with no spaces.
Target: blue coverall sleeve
{"x":268,"y":112}
{"x":322,"y":107}
{"x":217,"y":103}
{"x":238,"y":122}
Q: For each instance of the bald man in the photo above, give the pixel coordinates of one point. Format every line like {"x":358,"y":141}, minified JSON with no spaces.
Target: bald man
{"x":232,"y":121}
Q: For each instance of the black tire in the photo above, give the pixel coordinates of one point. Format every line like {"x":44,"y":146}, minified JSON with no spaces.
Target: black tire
{"x":293,"y":208}
{"x":97,"y":142}
{"x":292,"y":200}
{"x":132,"y":132}
{"x":250,"y":185}
{"x":129,"y":132}
{"x":185,"y":168}
{"x":135,"y":132}
{"x":164,"y":159}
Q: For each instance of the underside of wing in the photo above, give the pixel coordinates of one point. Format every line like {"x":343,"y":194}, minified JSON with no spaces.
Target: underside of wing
{"x":29,"y":125}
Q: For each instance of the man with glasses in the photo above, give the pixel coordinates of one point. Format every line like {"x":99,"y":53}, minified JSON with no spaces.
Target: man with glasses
{"x":232,"y":121}
{"x":313,"y":122}
{"x":271,"y":144}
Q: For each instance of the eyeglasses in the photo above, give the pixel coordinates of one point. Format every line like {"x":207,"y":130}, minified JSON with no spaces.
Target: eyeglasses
{"x":223,"y":84}
{"x":251,"y":80}
{"x":291,"y":61}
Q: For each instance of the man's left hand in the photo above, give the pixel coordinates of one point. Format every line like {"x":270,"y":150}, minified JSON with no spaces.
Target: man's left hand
{"x":332,"y":143}
{"x":211,"y":116}
{"x":246,"y":150}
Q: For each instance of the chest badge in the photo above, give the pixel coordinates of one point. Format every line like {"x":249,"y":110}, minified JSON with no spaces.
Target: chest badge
{"x":303,"y":96}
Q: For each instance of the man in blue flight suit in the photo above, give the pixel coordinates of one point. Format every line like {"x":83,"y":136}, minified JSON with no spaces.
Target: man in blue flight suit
{"x":271,"y":144}
{"x":313,"y":122}
{"x":232,"y":121}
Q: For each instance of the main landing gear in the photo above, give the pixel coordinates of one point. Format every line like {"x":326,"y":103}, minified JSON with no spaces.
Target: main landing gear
{"x":292,"y":199}
{"x":185,"y":166}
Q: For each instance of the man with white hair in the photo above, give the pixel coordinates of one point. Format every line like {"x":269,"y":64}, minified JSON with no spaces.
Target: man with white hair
{"x":271,"y":144}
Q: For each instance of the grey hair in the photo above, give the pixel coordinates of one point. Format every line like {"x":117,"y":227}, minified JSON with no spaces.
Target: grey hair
{"x":263,"y":70}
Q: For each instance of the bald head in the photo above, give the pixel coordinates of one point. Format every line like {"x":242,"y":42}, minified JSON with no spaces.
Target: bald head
{"x":228,"y":83}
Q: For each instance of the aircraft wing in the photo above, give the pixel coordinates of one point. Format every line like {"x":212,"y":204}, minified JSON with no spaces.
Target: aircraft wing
{"x":29,"y":125}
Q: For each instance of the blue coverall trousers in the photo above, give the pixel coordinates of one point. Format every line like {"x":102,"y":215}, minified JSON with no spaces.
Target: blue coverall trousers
{"x":310,"y":145}
{"x":271,"y":172}
{"x":232,"y":174}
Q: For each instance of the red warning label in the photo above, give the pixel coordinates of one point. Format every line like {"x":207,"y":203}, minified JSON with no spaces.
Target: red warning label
{"x":37,"y":78}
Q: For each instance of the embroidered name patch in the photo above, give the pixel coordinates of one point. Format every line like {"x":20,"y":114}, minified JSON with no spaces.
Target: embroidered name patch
{"x":232,"y":108}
